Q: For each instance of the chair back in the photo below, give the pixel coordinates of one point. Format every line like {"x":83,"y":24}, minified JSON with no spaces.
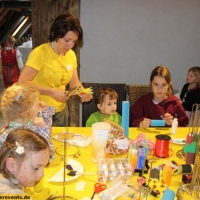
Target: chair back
{"x":89,"y":107}
{"x":136,"y":91}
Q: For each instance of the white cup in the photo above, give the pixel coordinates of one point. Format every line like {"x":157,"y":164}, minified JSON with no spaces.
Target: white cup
{"x":100,"y":136}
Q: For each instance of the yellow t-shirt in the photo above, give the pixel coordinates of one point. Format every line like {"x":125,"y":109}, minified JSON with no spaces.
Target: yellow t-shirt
{"x":54,"y":71}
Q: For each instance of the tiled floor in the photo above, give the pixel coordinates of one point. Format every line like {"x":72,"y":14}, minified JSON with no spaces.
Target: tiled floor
{"x":1,"y":119}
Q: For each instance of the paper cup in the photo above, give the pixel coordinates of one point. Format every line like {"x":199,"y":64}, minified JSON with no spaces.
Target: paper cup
{"x":100,"y":136}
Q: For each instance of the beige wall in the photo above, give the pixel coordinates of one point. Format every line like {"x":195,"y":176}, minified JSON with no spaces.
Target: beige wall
{"x":125,"y":39}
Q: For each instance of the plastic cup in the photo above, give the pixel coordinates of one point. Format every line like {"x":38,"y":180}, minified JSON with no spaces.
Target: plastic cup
{"x":100,"y":136}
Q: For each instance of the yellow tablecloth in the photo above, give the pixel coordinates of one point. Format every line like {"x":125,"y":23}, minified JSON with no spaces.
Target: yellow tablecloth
{"x":89,"y":166}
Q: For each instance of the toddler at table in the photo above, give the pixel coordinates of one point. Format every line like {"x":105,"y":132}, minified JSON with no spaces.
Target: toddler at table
{"x":190,"y":93}
{"x":22,"y":160}
{"x":158,"y":104}
{"x":106,"y":102}
{"x":21,"y":108}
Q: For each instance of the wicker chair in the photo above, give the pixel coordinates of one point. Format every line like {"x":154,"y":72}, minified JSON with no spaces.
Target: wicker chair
{"x":89,"y":107}
{"x":136,"y":91}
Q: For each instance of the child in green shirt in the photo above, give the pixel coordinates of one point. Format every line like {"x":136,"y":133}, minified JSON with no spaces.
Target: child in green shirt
{"x":106,"y":102}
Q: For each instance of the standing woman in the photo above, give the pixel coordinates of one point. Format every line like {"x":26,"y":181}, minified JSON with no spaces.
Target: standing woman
{"x":10,"y":62}
{"x":53,"y":65}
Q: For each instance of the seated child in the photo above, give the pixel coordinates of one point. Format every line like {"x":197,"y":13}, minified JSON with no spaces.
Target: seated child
{"x":22,"y":160}
{"x":160,"y":104}
{"x":190,"y":93}
{"x":21,"y":108}
{"x":106,"y":102}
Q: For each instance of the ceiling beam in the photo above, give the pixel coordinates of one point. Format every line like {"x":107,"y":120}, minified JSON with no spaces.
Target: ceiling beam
{"x":15,"y":4}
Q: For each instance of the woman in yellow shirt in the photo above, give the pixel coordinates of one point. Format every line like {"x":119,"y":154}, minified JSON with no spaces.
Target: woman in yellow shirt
{"x":52,"y":66}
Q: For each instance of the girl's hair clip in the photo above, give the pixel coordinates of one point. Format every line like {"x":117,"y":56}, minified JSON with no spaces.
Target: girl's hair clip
{"x":6,"y":127}
{"x":19,"y":149}
{"x":17,"y":97}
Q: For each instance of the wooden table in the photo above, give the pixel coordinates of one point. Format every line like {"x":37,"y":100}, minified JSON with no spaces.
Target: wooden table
{"x":89,"y":166}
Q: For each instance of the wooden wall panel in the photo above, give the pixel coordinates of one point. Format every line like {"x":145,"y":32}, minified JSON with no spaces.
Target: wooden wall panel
{"x":43,"y":14}
{"x":45,"y":11}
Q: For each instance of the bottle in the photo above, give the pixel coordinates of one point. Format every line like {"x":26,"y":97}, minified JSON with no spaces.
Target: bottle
{"x":174,"y":124}
{"x":141,"y":158}
{"x":130,"y":153}
{"x":167,"y":173}
{"x":134,"y":158}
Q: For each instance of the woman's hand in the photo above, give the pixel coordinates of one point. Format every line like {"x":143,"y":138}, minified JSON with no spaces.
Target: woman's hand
{"x":85,"y":97}
{"x":168,"y":119}
{"x":145,"y":123}
{"x":59,"y":95}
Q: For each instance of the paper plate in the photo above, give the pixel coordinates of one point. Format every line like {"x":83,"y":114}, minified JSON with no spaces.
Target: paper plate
{"x":77,"y":166}
{"x":178,"y":141}
{"x":74,"y":138}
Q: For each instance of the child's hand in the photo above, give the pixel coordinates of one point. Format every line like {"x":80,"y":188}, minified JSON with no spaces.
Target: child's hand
{"x":168,"y":119}
{"x":145,"y":123}
{"x":42,"y":105}
{"x":39,"y":121}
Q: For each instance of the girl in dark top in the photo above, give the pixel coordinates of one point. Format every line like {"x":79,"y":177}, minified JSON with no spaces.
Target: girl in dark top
{"x":161,"y":103}
{"x":190,"y":93}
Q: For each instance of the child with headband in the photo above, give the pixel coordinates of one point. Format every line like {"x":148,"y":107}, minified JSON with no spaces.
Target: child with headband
{"x":106,"y":102}
{"x":22,"y":160}
{"x":21,"y":108}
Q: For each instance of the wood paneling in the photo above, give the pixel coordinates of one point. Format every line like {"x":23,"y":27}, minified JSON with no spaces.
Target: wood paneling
{"x":43,"y":14}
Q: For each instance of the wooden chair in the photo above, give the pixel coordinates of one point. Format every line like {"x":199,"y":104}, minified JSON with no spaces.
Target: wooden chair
{"x":89,"y":107}
{"x":136,"y":91}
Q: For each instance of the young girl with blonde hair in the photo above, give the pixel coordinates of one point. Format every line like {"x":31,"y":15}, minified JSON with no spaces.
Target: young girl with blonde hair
{"x":22,"y":160}
{"x":190,"y":93}
{"x":21,"y":108}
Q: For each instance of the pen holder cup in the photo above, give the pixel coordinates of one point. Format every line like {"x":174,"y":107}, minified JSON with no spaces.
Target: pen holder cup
{"x":100,"y":136}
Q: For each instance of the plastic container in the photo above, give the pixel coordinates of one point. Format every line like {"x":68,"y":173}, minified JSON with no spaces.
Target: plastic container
{"x":130,"y":153}
{"x":128,"y":168}
{"x":168,"y":195}
{"x":112,"y":171}
{"x":141,"y":158}
{"x":134,"y":158}
{"x":174,"y":125}
{"x":167,"y":173}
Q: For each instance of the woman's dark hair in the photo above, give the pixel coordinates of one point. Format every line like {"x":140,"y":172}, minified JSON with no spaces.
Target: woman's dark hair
{"x":64,"y":23}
